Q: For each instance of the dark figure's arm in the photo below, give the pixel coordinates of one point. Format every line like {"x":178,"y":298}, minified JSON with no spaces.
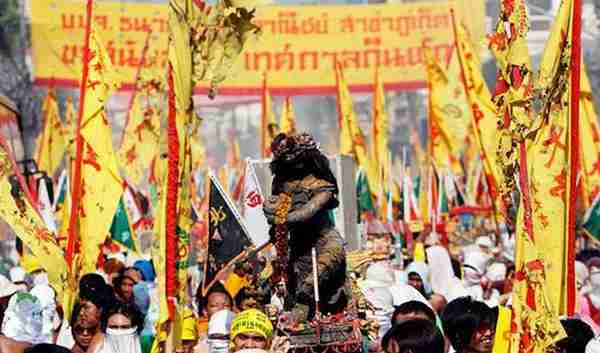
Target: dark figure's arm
{"x":310,"y":209}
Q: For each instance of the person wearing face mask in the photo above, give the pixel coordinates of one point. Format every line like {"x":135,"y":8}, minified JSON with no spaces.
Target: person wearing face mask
{"x":469,"y":325}
{"x":219,"y":328}
{"x":251,"y":329}
{"x":120,"y":325}
{"x":215,"y":300}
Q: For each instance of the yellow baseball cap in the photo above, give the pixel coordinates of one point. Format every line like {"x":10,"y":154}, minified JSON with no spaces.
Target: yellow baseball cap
{"x":252,"y":321}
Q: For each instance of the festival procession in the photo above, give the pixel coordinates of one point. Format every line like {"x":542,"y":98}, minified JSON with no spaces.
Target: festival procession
{"x":294,"y":176}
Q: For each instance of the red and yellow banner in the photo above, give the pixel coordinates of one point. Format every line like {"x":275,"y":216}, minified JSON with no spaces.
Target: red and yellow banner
{"x":299,"y":45}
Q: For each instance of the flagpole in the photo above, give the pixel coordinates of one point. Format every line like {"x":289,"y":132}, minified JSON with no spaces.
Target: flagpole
{"x":573,"y":151}
{"x":263,"y":119}
{"x":76,"y":194}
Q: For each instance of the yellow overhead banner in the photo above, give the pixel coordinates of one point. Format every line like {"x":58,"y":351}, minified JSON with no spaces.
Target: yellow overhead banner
{"x":298,"y":46}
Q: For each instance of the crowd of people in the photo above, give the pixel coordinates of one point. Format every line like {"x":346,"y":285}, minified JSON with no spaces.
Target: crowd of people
{"x":436,"y":301}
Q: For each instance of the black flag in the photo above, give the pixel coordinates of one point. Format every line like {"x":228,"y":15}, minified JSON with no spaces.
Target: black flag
{"x":227,"y":236}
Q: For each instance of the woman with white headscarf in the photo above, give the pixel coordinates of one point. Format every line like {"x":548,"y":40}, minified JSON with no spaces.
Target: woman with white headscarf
{"x":443,"y":280}
{"x":23,"y":319}
{"x":422,"y":270}
{"x":121,"y":325}
{"x":50,"y":320}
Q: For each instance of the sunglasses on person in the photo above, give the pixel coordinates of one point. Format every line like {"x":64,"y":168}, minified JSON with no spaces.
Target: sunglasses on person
{"x":85,"y":330}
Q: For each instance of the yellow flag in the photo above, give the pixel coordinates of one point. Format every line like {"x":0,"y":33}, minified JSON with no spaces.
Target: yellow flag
{"x":535,"y":324}
{"x":173,"y":220}
{"x":51,"y":144}
{"x":101,"y":183}
{"x":234,"y":157}
{"x":198,"y":151}
{"x":70,"y":126}
{"x":550,"y":165}
{"x":287,"y":123}
{"x":443,"y":151}
{"x":352,"y":139}
{"x":379,"y":126}
{"x":268,"y":128}
{"x":590,"y":141}
{"x":502,"y":336}
{"x":139,"y":143}
{"x":483,"y":111}
{"x":18,"y":212}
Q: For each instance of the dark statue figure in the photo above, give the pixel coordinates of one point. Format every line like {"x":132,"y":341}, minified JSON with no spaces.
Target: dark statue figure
{"x":303,"y":177}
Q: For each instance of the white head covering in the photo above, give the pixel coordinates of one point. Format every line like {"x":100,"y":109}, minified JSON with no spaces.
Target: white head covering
{"x":443,"y":280}
{"x":7,"y":287}
{"x":220,"y":322}
{"x":496,"y":271}
{"x":23,"y":319}
{"x":403,"y":293}
{"x":117,"y":256}
{"x":423,"y":270}
{"x":379,"y":275}
{"x":593,"y":346}
{"x":477,"y":260}
{"x":582,"y":275}
{"x":485,"y":241}
{"x":17,"y":274}
{"x":46,"y":296}
{"x":40,"y":277}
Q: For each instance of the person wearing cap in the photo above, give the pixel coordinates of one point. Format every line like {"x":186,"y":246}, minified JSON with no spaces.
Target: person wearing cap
{"x":251,"y":329}
{"x":124,"y":284}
